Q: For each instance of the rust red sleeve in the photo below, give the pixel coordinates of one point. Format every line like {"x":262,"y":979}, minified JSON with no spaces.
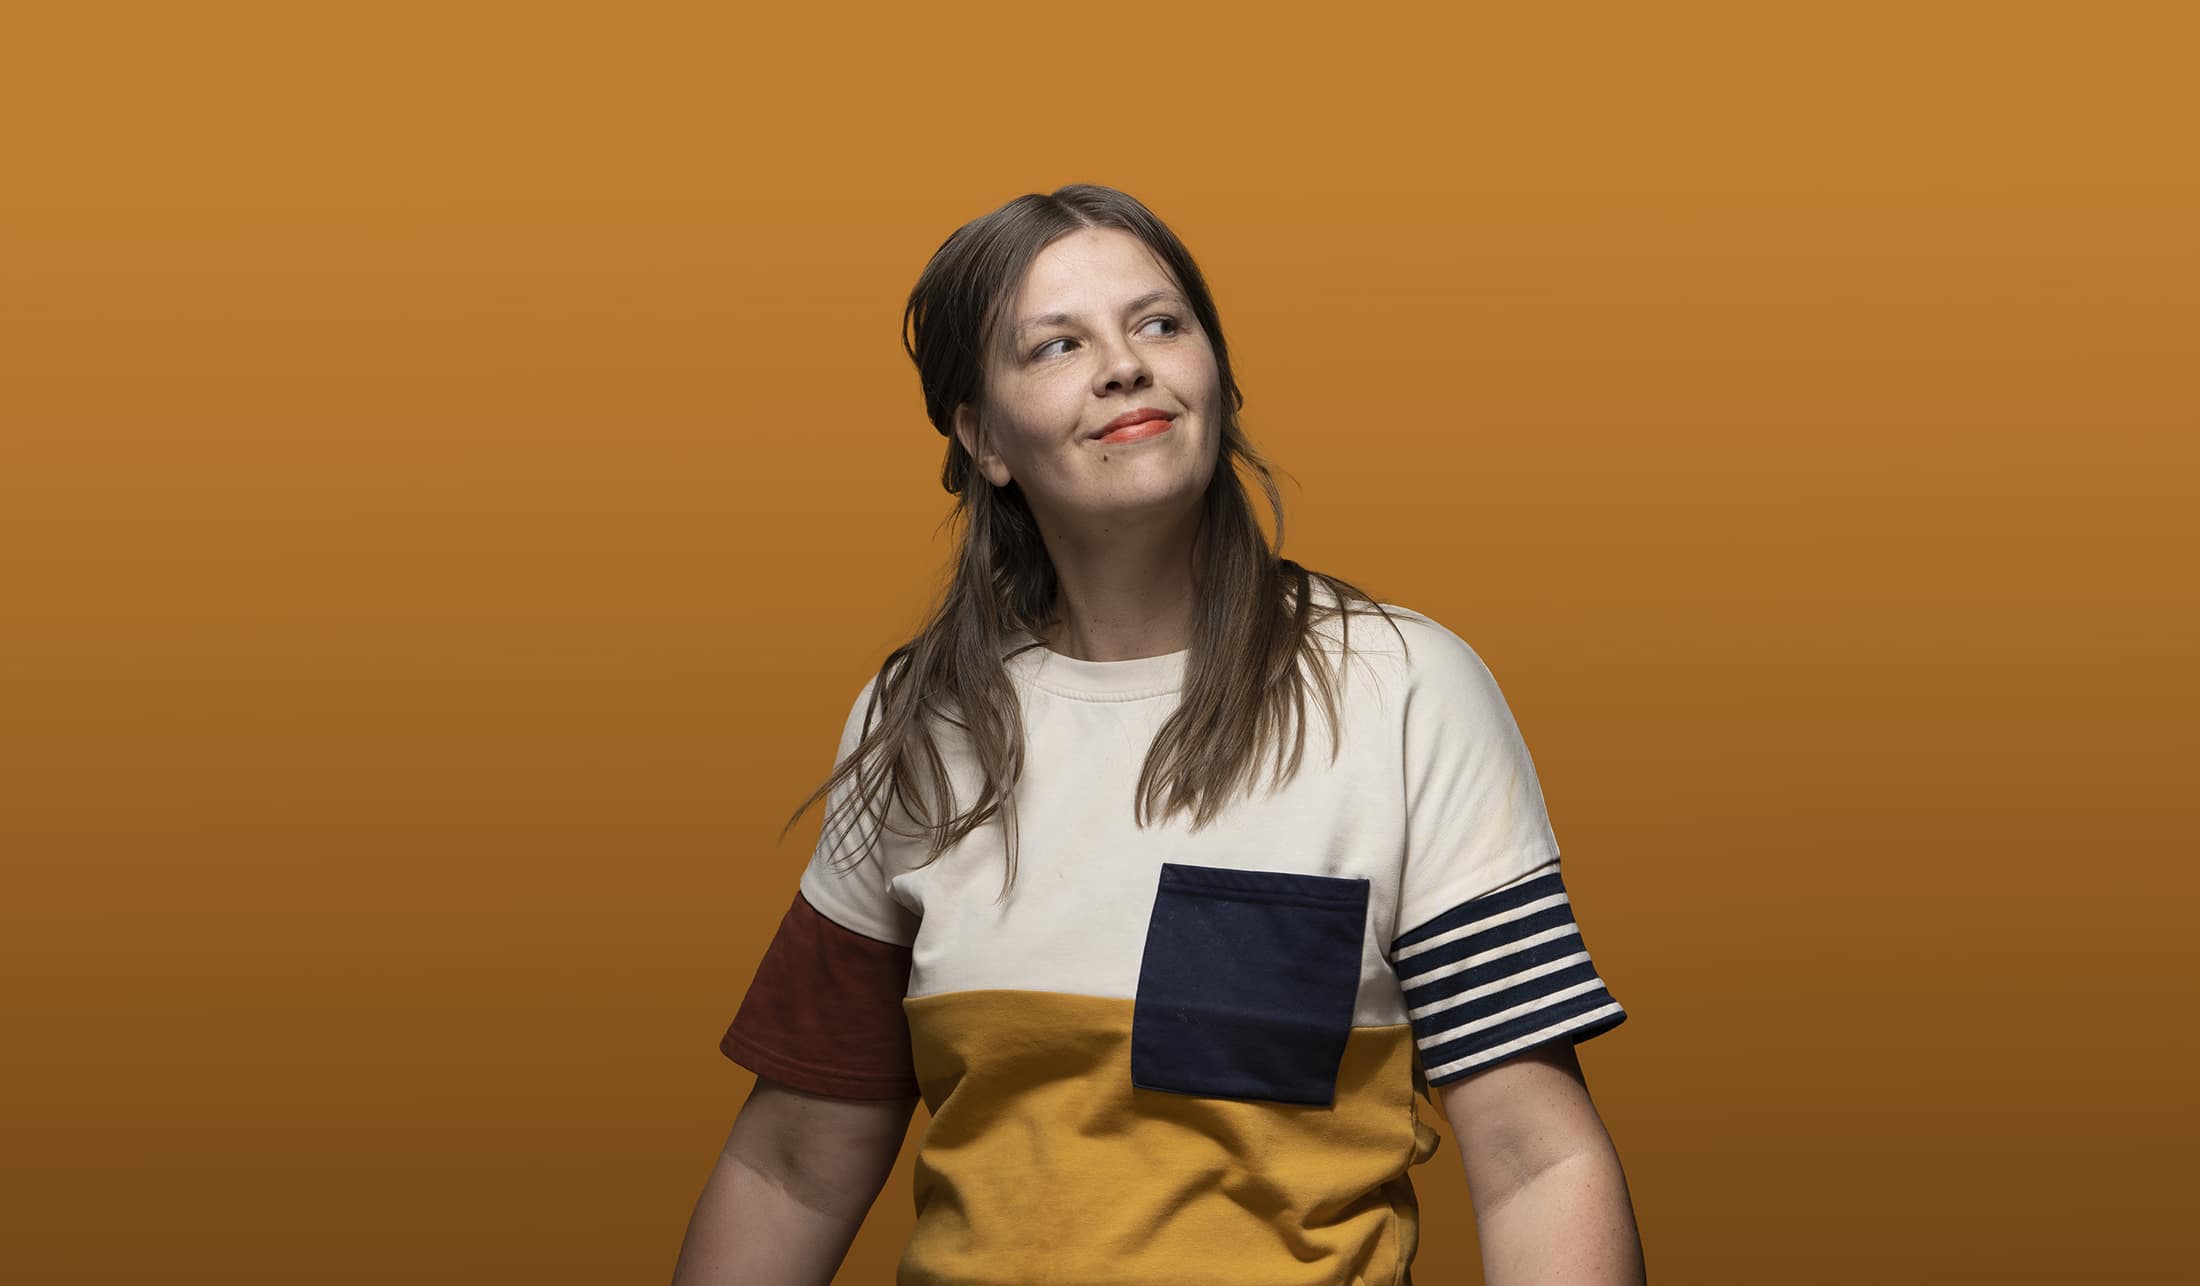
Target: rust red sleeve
{"x":824,"y":1012}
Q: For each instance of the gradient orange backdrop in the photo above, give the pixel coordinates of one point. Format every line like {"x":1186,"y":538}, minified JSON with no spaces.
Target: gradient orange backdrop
{"x":460,"y":464}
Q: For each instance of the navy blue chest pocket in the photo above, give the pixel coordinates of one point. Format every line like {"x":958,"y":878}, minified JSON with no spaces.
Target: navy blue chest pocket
{"x":1248,"y":983}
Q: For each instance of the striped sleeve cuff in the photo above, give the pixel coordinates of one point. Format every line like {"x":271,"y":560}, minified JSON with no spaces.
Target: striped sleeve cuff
{"x":1498,"y":974}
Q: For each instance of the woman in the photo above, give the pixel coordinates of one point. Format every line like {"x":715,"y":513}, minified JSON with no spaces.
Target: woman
{"x":1168,"y":1008}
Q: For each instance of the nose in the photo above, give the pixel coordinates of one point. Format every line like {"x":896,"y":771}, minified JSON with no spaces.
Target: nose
{"x":1124,"y":368}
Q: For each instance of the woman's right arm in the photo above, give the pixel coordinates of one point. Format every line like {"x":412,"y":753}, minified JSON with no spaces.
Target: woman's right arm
{"x":798,"y":1173}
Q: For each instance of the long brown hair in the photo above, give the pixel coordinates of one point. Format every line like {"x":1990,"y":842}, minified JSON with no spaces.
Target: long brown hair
{"x":1256,"y":611}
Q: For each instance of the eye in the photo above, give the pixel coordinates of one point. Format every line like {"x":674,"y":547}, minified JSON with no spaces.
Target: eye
{"x":1174,"y":327}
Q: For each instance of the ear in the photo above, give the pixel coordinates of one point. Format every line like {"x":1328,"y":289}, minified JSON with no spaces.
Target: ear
{"x":981,"y":451}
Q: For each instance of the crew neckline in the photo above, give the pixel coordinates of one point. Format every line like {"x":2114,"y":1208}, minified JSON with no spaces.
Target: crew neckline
{"x":1063,"y":675}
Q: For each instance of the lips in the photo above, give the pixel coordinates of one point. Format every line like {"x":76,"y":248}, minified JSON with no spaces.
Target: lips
{"x":1128,"y":418}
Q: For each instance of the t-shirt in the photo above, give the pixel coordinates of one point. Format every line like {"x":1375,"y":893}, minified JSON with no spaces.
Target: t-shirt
{"x":1178,"y":1055}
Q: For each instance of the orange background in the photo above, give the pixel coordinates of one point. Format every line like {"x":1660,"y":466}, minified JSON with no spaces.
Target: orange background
{"x":460,"y":464}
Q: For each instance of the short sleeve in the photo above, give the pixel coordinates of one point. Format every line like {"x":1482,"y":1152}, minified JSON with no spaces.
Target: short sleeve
{"x":824,"y":1011}
{"x":1485,"y":945}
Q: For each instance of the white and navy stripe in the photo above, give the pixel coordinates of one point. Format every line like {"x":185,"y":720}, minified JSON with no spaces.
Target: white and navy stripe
{"x":1498,"y":974}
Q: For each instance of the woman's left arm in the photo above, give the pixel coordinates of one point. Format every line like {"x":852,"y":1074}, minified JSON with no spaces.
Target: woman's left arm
{"x":1550,"y":1203}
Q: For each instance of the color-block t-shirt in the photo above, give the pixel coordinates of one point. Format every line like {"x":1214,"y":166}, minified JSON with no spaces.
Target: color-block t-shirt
{"x":1179,"y":1056}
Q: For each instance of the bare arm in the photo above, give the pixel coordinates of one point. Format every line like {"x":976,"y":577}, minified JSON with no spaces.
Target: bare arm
{"x":797,"y":1175}
{"x":1550,"y":1201}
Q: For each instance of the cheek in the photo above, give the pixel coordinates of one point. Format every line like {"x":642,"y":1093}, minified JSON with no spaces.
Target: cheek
{"x":1200,"y":386}
{"x":1037,"y":415}
{"x":1055,"y":405}
{"x":1194,"y":368}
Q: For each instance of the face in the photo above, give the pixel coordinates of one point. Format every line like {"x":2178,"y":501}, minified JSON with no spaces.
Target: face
{"x":1097,"y":329}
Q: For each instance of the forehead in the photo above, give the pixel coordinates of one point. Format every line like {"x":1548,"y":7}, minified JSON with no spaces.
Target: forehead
{"x":1088,"y":270}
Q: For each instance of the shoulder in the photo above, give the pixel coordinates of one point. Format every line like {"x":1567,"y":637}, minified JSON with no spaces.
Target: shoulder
{"x":1423,"y":653}
{"x":1437,"y":691}
{"x":869,"y":702}
{"x":853,"y":721}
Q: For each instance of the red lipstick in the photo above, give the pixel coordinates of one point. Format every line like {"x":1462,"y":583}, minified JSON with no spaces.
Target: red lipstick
{"x":1138,"y":431}
{"x":1113,"y":430}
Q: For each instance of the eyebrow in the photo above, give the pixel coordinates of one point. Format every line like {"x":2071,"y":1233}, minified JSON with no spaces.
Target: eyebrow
{"x":1063,"y":319}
